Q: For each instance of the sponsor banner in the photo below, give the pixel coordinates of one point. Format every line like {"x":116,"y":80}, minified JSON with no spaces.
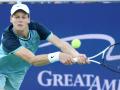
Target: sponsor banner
{"x":95,"y":24}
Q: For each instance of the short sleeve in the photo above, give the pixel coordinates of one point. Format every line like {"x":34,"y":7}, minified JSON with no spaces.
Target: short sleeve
{"x":10,"y":42}
{"x":42,"y":31}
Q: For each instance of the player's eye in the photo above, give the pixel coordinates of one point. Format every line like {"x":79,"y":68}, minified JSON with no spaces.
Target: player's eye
{"x":23,"y":17}
{"x":17,"y":17}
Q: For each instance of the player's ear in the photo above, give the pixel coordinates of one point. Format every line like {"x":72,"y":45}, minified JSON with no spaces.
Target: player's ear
{"x":29,"y":20}
{"x":10,"y":19}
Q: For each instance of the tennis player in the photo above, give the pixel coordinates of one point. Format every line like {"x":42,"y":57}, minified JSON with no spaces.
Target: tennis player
{"x":19,"y":43}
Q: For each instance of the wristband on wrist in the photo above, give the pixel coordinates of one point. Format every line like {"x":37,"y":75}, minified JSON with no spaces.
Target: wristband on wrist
{"x":53,"y":57}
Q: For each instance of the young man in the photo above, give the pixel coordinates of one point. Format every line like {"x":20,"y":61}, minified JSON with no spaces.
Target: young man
{"x":19,"y":43}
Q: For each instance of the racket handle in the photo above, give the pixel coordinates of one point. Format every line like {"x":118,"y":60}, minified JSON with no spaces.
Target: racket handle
{"x":75,"y":60}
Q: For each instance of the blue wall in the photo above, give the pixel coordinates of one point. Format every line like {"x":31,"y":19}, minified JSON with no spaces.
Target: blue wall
{"x":97,"y":25}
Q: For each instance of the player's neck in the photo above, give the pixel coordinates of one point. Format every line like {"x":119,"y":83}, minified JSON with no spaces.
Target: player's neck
{"x":22,"y":33}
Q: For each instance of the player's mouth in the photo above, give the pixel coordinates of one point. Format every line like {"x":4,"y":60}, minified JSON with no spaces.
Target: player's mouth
{"x":20,"y":25}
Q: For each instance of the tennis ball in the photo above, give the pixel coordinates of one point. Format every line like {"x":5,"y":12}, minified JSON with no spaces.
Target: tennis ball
{"x":76,"y":43}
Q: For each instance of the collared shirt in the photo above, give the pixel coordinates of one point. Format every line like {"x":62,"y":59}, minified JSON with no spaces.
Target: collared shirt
{"x":10,"y":43}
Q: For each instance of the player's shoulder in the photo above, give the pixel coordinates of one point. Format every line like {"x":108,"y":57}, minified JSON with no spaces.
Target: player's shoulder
{"x":35,"y":25}
{"x":9,"y":40}
{"x":8,"y":32}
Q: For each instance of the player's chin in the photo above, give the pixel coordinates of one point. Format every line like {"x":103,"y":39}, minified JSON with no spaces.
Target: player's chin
{"x":20,"y":28}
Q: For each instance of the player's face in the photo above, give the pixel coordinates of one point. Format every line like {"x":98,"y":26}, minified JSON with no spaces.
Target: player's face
{"x":20,"y":20}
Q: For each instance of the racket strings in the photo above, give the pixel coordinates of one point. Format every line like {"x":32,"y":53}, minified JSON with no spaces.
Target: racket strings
{"x":112,"y":67}
{"x":115,"y":69}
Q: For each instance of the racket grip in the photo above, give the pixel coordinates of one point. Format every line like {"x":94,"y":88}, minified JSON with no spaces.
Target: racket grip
{"x":75,"y":60}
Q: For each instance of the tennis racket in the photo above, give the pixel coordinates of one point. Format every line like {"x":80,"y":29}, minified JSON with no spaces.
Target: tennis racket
{"x":113,"y":65}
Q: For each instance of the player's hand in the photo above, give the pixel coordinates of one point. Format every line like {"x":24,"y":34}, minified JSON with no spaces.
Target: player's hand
{"x":82,"y":59}
{"x":66,"y":58}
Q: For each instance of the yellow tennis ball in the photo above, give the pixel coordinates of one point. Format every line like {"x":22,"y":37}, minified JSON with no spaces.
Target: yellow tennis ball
{"x":76,"y":43}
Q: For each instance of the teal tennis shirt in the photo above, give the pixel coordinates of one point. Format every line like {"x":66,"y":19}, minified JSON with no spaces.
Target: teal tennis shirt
{"x":10,"y":43}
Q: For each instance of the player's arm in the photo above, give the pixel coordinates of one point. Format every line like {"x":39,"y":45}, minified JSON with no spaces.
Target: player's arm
{"x":43,"y":59}
{"x":66,"y":48}
{"x":47,"y":35}
{"x":11,"y":45}
{"x":28,"y":56}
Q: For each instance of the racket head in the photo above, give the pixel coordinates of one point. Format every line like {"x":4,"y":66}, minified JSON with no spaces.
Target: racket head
{"x":111,"y":58}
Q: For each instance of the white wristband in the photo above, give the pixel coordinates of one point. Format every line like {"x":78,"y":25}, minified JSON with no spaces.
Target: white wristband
{"x":53,"y":57}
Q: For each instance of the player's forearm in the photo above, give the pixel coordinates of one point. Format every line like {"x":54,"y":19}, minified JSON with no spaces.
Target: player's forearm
{"x":40,"y":60}
{"x":37,"y":60}
{"x":66,"y":48}
{"x":44,"y":59}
